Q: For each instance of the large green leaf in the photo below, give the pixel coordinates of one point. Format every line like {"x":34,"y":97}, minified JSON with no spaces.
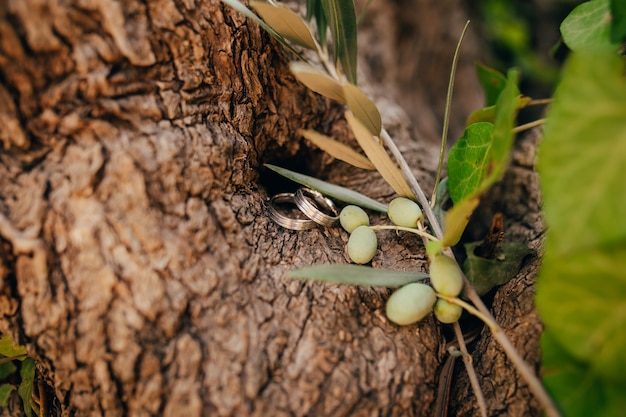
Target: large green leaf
{"x":588,"y":26}
{"x":581,"y":290}
{"x":341,"y":17}
{"x":467,"y":161}
{"x":618,"y":21}
{"x":583,"y":155}
{"x":335,"y":191}
{"x":357,"y":275}
{"x":578,"y":391}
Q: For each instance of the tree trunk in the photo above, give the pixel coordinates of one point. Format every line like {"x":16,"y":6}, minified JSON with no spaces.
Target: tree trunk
{"x":138,"y":263}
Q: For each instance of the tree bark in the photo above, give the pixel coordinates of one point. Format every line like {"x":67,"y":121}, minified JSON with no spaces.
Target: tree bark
{"x":138,"y":263}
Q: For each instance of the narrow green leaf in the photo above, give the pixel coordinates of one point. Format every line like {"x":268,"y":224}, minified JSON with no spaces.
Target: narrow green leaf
{"x":618,"y":22}
{"x":363,"y":108}
{"x":317,"y":81}
{"x":337,"y":149}
{"x":286,"y":22}
{"x":485,"y":274}
{"x":492,"y":81}
{"x":25,"y":390}
{"x":441,"y":200}
{"x":378,"y":156}
{"x":581,"y":290}
{"x":357,"y":275}
{"x":588,"y":26}
{"x":341,"y":17}
{"x":8,"y":349}
{"x":315,"y":9}
{"x":467,"y":161}
{"x":335,"y":191}
{"x":5,"y":394}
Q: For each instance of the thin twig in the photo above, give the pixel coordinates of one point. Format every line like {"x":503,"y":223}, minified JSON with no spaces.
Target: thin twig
{"x":405,"y":229}
{"x":529,"y":125}
{"x":446,"y":114}
{"x":534,"y":384}
{"x":539,"y":101}
{"x":415,"y":187}
{"x":13,"y":358}
{"x":471,"y":372}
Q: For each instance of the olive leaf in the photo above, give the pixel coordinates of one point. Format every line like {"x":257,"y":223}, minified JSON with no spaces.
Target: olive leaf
{"x":315,"y":9}
{"x":588,"y":26}
{"x":335,"y":191}
{"x":486,"y":274}
{"x":363,"y":108}
{"x":341,"y":17}
{"x":318,"y":81}
{"x":357,"y":275}
{"x":286,"y":22}
{"x":337,"y":149}
{"x":376,"y":154}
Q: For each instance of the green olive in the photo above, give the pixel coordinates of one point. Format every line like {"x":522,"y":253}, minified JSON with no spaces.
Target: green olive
{"x":410,"y":304}
{"x":352,"y":217}
{"x":446,"y":276}
{"x":446,"y":312}
{"x":404,"y":212}
{"x":362,"y":245}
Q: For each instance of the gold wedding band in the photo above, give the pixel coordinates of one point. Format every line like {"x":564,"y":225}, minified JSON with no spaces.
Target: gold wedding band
{"x":312,"y":202}
{"x":284,"y":221}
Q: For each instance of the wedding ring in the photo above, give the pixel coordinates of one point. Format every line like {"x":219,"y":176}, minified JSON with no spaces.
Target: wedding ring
{"x":285,"y":221}
{"x":312,"y":203}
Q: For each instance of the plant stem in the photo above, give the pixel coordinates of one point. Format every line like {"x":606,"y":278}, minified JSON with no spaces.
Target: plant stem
{"x":529,"y":125}
{"x":405,"y":229}
{"x":415,"y":187}
{"x":471,"y":372}
{"x":446,"y":114}
{"x":534,"y":384}
{"x":539,"y":101}
{"x":13,"y":358}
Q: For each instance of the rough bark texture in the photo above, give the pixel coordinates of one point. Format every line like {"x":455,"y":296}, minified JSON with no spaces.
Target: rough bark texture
{"x":136,"y":257}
